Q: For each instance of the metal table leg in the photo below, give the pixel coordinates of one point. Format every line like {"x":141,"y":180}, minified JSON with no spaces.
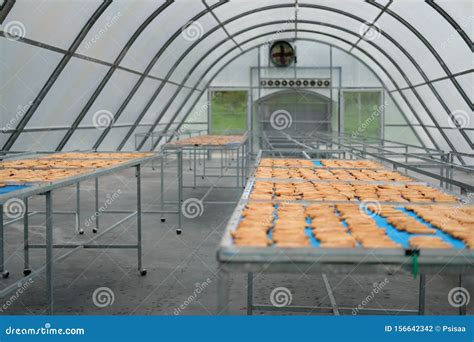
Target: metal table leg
{"x":194,"y":167}
{"x":96,"y":228}
{"x":249,"y":293}
{"x":5,"y":273}
{"x":78,"y":209}
{"x":162,"y":191}
{"x":180,"y":192}
{"x":237,"y":166}
{"x":139,"y":221}
{"x":26,"y":247}
{"x":422,"y":295}
{"x":49,"y":250}
{"x":223,"y":289}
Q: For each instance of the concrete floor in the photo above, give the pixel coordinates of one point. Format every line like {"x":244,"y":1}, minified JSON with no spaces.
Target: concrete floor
{"x":178,"y":264}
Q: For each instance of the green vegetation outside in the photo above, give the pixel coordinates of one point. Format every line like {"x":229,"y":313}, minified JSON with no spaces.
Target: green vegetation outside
{"x":362,"y":113}
{"x":228,"y":111}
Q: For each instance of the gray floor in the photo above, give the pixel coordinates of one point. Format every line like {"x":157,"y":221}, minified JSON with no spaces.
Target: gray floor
{"x":178,"y":264}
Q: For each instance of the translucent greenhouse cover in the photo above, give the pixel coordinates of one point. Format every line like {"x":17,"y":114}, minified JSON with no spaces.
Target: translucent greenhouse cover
{"x":90,"y":74}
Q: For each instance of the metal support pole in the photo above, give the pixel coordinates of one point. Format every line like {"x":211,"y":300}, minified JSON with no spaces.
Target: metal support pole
{"x":5,"y":273}
{"x":462,"y":308}
{"x":96,"y":228}
{"x":78,"y":209}
{"x":180,"y":191}
{"x":49,"y":250}
{"x":26,"y":247}
{"x":238,"y":166}
{"x":223,"y":283}
{"x":194,"y":167}
{"x":162,"y":191}
{"x":139,"y":220}
{"x":249,"y":293}
{"x":422,"y":295}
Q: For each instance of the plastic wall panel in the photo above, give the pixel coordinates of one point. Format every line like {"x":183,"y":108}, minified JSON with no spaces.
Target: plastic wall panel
{"x":461,"y":144}
{"x":69,"y":94}
{"x":459,"y":10}
{"x":130,"y":144}
{"x":452,"y":98}
{"x":162,"y":100}
{"x":392,"y":113}
{"x":117,"y":88}
{"x":412,"y":44}
{"x":115,"y":27}
{"x":435,"y":133}
{"x":442,"y":36}
{"x":64,"y":20}
{"x":353,"y":72}
{"x":404,"y":135}
{"x":176,"y":103}
{"x":24,"y":69}
{"x":161,"y":29}
{"x":171,"y":56}
{"x":138,"y":101}
{"x":113,"y":139}
{"x":410,"y":70}
{"x":237,"y":73}
{"x":233,"y":7}
{"x":412,"y":119}
{"x":467,"y":82}
{"x":38,"y":141}
{"x":415,"y":103}
{"x":83,"y":140}
{"x":213,"y":57}
{"x":199,"y":111}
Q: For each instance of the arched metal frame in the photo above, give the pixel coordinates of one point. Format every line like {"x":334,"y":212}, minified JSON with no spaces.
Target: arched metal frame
{"x":273,"y":32}
{"x":384,"y":9}
{"x":451,"y":145}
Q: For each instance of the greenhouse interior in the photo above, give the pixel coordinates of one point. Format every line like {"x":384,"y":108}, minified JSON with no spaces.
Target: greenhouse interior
{"x":240,"y":157}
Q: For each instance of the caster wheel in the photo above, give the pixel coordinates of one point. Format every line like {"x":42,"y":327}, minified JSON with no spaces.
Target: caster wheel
{"x":163,"y":219}
{"x":81,"y":232}
{"x":94,"y":230}
{"x":143,"y":273}
{"x":27,"y":272}
{"x":5,"y":274}
{"x":178,"y":231}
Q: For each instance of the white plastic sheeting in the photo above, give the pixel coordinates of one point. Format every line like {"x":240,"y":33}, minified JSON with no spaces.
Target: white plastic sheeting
{"x":417,"y":53}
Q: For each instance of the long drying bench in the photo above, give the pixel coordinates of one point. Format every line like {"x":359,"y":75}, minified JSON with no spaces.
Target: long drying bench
{"x":343,"y":216}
